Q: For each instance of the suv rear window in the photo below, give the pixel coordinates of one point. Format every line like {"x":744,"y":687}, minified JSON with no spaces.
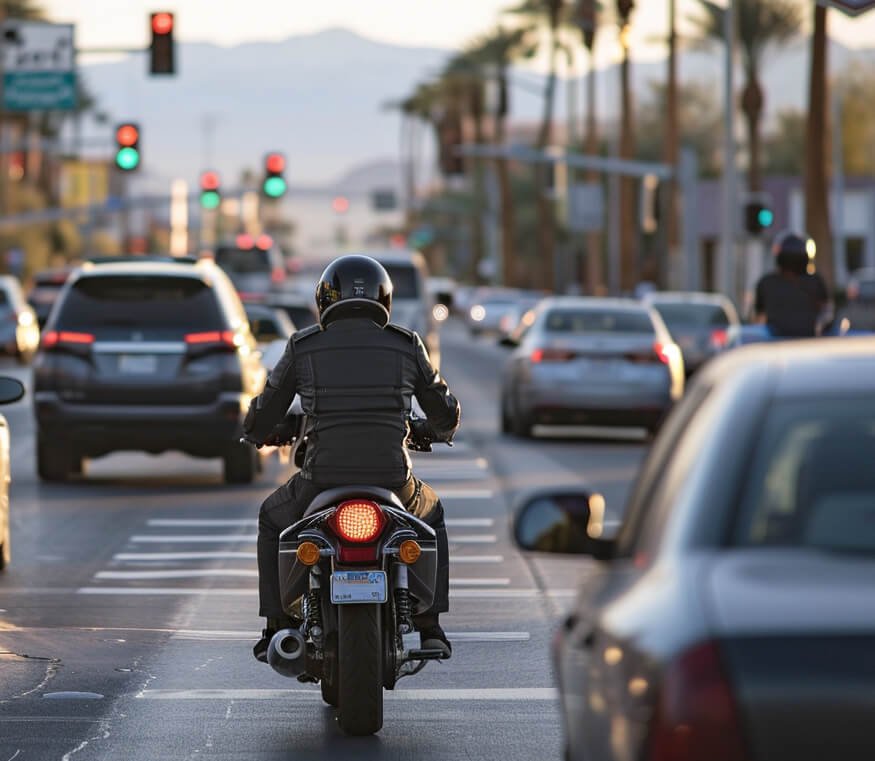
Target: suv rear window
{"x":155,"y":302}
{"x":239,"y":261}
{"x":597,"y":321}
{"x":405,"y":284}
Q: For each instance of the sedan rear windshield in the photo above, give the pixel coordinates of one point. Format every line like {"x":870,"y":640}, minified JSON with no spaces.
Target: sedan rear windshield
{"x":241,"y":261}
{"x":812,"y":482}
{"x":405,"y":284}
{"x":150,"y":302}
{"x":597,"y":321}
{"x":692,"y":315}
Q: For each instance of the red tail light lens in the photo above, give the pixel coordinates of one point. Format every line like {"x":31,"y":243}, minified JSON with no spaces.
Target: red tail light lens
{"x":53,"y":339}
{"x":358,"y":521}
{"x":277,"y":275}
{"x":551,"y":355}
{"x":665,"y":352}
{"x":211,"y":340}
{"x":719,"y":338}
{"x":696,"y":717}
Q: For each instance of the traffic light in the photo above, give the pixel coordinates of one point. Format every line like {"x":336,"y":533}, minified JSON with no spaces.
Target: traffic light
{"x":161,"y":50}
{"x":758,"y":217}
{"x":127,"y":150}
{"x":274,"y":185}
{"x":210,"y":195}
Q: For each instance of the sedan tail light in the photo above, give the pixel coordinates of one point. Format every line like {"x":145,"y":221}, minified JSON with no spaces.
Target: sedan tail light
{"x":719,"y":338}
{"x":277,"y":275}
{"x":696,"y":717}
{"x":551,"y":355}
{"x":358,"y":521}
{"x":65,"y":339}
{"x":665,"y":352}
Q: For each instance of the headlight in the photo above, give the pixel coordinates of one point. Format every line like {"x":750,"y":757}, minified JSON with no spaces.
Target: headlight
{"x":440,"y":312}
{"x":478,"y":312}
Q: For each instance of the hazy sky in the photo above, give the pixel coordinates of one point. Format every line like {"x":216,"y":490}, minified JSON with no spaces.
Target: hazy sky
{"x":440,"y":23}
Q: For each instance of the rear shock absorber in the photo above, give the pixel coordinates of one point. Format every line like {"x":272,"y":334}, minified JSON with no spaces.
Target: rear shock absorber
{"x":403,"y":605}
{"x":313,"y":609}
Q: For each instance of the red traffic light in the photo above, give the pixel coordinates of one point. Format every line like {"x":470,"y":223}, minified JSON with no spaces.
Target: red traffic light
{"x":127,"y":135}
{"x":209,"y":181}
{"x":162,"y":23}
{"x":275,"y":163}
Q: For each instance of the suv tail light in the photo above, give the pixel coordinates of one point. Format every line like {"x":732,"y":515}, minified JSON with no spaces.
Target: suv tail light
{"x":358,"y":521}
{"x":695,"y":715}
{"x":65,"y":339}
{"x":551,"y":355}
{"x":211,"y":340}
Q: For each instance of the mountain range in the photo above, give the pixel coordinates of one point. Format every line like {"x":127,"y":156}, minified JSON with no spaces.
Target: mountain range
{"x":323,"y":100}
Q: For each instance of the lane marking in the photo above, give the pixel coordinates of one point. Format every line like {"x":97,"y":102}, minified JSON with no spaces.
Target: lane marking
{"x":476,"y":559}
{"x":466,"y":494}
{"x":479,"y":582}
{"x":473,"y":539}
{"x":470,"y":594}
{"x":135,"y":557}
{"x":188,"y":574}
{"x":484,"y":694}
{"x":249,"y":523}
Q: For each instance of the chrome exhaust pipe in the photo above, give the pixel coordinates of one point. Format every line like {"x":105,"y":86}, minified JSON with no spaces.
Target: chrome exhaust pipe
{"x":287,"y":653}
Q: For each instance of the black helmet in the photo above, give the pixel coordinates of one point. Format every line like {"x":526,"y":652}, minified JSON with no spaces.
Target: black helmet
{"x":793,"y":252}
{"x":354,"y":286}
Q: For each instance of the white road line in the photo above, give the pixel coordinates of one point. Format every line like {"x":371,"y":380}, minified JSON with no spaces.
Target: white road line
{"x":249,"y":522}
{"x":125,"y":557}
{"x":521,"y":694}
{"x":187,"y":574}
{"x":476,"y":559}
{"x":465,"y":493}
{"x":479,"y":582}
{"x":471,"y":594}
{"x":252,"y":538}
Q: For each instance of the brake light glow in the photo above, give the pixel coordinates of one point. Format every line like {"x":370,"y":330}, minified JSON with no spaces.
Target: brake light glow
{"x":719,"y":338}
{"x":225,"y":337}
{"x":277,"y":275}
{"x":264,"y":242}
{"x":53,"y":338}
{"x":551,"y":355}
{"x":696,"y":716}
{"x":358,"y":521}
{"x":666,"y":352}
{"x":244,"y":241}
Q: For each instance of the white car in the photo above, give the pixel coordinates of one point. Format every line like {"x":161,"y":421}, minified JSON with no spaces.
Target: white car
{"x":11,"y":390}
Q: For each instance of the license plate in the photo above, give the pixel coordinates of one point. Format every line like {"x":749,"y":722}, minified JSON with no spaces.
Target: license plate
{"x":349,"y":587}
{"x":138,"y":364}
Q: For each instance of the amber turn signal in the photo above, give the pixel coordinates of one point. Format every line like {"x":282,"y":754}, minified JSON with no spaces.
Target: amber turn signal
{"x":307,"y":553}
{"x":409,"y":551}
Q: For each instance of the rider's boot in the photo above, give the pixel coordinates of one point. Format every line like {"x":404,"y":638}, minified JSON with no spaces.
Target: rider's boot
{"x":431,"y":635}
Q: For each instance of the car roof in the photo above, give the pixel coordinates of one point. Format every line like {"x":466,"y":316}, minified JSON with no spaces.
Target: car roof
{"x":155,"y":268}
{"x":802,"y":367}
{"x":686,"y":297}
{"x":586,"y":302}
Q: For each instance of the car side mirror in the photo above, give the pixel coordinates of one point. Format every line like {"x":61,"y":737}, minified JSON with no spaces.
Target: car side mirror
{"x":508,"y":341}
{"x":11,"y":390}
{"x":569,"y":523}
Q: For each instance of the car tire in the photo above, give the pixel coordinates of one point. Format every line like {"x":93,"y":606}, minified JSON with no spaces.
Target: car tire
{"x":54,"y":461}
{"x":240,"y":464}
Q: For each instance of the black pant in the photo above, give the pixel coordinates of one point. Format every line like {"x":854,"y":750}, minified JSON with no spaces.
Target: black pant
{"x":287,"y":505}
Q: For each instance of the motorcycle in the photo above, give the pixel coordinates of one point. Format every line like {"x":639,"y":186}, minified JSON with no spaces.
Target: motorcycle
{"x":359,"y":567}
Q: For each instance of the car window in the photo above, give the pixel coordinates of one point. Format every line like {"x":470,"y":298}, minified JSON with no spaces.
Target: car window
{"x":568,"y":320}
{"x":405,"y":283}
{"x":4,"y":298}
{"x":812,"y":479}
{"x":692,"y":315}
{"x":240,"y":261}
{"x":654,"y":468}
{"x":140,"y":301}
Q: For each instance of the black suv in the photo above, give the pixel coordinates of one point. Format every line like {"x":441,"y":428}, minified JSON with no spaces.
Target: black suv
{"x":147,"y":356}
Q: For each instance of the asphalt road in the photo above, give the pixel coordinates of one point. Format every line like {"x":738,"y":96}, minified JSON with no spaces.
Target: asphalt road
{"x":129,"y":609}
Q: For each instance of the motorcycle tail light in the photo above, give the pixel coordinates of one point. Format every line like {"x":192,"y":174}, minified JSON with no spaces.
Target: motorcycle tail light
{"x":696,"y":716}
{"x":358,"y":521}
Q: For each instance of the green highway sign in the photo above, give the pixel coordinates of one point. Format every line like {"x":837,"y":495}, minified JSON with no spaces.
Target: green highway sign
{"x":39,"y":66}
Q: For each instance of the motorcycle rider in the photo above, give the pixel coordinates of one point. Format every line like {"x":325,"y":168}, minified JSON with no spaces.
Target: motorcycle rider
{"x":355,"y":373}
{"x":791,"y":299}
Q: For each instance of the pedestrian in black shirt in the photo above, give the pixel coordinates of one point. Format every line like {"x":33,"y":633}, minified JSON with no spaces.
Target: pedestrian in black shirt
{"x":791,"y":299}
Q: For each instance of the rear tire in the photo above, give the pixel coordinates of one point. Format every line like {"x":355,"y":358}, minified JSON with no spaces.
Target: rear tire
{"x":328,"y":683}
{"x":240,"y":465}
{"x":360,"y":669}
{"x":54,"y":461}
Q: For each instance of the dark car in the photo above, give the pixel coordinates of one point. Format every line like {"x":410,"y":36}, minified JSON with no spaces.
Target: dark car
{"x":299,"y":307}
{"x":702,"y":324}
{"x":44,"y":291}
{"x":268,"y":324}
{"x":254,"y":264}
{"x":145,"y":356}
{"x":733,"y":617}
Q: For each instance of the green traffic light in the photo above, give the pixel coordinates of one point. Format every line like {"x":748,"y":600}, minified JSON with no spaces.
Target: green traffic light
{"x":274,"y":187}
{"x":210,"y":199}
{"x":127,"y":159}
{"x":765,"y":217}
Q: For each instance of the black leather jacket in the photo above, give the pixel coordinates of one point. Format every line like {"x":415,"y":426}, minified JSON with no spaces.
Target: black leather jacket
{"x":356,"y":381}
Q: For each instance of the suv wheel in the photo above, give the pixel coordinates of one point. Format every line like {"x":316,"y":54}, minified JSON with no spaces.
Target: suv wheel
{"x":54,"y":460}
{"x":240,"y":464}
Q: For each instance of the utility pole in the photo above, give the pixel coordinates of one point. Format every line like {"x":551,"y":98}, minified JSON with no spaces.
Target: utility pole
{"x":668,"y":268}
{"x":729,"y":222}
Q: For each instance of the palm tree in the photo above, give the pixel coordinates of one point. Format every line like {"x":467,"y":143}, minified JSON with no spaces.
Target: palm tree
{"x":497,"y":50}
{"x":548,"y":15}
{"x":761,"y":23}
{"x":628,"y":228}
{"x":816,"y":136}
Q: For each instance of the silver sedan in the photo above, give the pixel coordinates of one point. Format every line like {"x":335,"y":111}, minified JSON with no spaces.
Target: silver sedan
{"x":592,"y":362}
